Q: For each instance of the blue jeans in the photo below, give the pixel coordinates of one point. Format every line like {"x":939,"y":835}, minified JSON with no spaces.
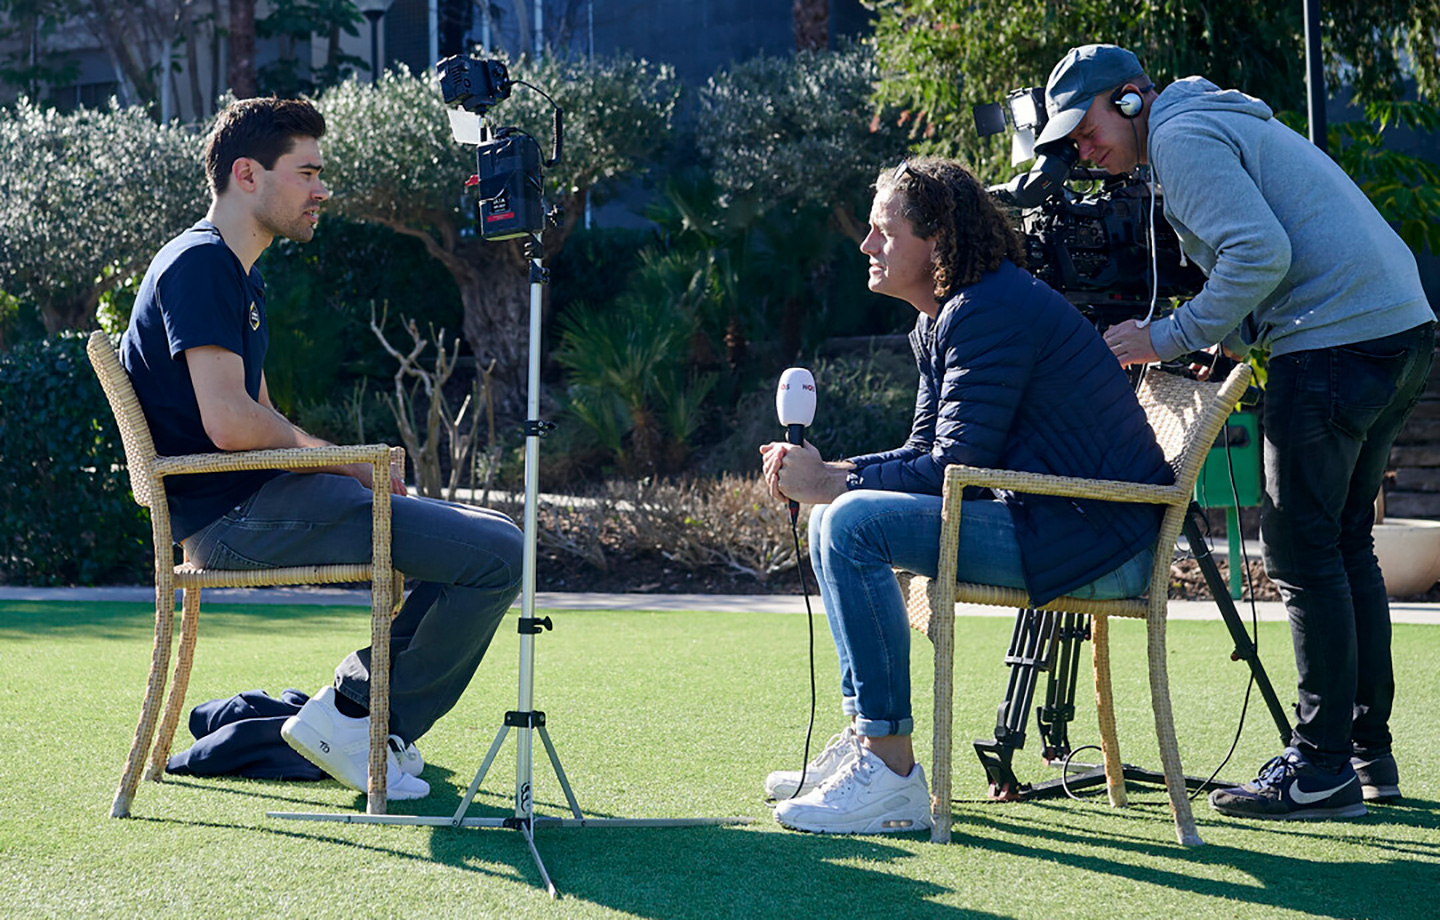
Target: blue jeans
{"x":467,"y":560}
{"x":854,"y":544}
{"x":1330,"y":417}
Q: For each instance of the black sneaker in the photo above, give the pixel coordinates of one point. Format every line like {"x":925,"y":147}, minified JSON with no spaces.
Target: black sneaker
{"x":1290,"y":788}
{"x":1379,"y":779}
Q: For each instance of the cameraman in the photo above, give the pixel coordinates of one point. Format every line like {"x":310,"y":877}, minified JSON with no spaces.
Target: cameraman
{"x":1011,"y":377}
{"x":1299,"y":263}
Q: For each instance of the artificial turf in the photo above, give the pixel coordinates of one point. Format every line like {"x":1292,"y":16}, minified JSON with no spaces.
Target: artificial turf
{"x":667,"y":715}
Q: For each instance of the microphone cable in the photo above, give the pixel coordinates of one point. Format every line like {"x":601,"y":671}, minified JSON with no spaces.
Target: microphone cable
{"x":810,"y":623}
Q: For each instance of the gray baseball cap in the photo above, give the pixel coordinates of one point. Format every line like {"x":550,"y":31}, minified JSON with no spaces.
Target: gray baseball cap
{"x":1075,"y":81}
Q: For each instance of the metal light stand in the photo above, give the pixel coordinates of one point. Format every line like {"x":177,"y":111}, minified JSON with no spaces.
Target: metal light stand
{"x":525,"y":719}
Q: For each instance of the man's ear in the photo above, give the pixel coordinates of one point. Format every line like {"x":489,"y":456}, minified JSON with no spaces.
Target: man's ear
{"x":242,"y":173}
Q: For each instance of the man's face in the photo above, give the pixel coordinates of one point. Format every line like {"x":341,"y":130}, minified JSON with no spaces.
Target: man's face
{"x":289,"y":196}
{"x":901,"y":263}
{"x":1108,"y":139}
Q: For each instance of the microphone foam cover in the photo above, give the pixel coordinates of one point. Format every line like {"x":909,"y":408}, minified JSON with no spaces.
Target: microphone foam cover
{"x":795,"y":397}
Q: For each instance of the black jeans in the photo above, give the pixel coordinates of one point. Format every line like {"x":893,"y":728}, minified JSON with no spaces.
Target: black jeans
{"x":1331,"y":416}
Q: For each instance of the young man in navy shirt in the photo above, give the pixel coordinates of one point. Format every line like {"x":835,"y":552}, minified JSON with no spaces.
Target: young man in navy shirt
{"x":195,"y":351}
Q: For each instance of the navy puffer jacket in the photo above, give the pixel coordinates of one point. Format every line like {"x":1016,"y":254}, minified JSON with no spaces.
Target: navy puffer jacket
{"x":1013,"y":377}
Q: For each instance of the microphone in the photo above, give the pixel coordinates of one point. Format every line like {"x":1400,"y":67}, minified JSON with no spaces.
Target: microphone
{"x":795,"y":405}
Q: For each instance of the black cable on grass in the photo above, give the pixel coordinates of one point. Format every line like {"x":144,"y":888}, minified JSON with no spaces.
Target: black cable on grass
{"x":810,"y":622}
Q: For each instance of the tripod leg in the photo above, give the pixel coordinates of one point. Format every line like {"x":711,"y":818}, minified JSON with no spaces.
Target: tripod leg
{"x":480,"y":775}
{"x":1058,"y":712}
{"x":1030,"y":647}
{"x":559,"y":772}
{"x":1244,"y":647}
{"x":529,"y":832}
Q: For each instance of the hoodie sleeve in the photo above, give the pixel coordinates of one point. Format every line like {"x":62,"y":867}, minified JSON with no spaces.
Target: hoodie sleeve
{"x":1209,"y":194}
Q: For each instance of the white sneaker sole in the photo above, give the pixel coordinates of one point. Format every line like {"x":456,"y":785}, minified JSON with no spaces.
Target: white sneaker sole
{"x":886,"y":824}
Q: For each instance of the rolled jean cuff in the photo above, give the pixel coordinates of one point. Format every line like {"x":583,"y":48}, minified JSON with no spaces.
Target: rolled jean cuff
{"x":880,"y":728}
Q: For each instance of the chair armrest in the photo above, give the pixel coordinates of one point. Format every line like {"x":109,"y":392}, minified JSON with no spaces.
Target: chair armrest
{"x":960,"y":475}
{"x":289,"y":458}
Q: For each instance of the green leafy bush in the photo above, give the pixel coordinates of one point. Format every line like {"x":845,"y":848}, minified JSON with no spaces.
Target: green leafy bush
{"x":66,"y":512}
{"x":86,"y":199}
{"x":630,"y":374}
{"x":319,"y":296}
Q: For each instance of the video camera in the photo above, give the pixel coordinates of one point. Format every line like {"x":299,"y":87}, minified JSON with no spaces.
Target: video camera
{"x":1091,"y":246}
{"x":508,"y":163}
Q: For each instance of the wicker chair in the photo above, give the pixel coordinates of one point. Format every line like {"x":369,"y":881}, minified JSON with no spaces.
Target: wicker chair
{"x":1187,"y":417}
{"x":147,"y":479}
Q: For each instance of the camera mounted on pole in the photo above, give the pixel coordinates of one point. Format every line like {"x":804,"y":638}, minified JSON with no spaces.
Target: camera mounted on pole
{"x":508,"y":180}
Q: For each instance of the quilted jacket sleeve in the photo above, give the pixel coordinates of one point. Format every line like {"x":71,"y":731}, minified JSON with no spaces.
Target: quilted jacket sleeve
{"x":976,"y":367}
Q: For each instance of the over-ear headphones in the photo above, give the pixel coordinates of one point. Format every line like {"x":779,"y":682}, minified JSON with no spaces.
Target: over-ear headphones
{"x":1127,"y":104}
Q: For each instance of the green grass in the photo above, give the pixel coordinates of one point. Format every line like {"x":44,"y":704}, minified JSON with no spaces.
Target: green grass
{"x":665,"y":715}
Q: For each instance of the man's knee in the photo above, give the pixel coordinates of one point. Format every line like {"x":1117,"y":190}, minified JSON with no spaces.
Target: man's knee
{"x":504,"y":544}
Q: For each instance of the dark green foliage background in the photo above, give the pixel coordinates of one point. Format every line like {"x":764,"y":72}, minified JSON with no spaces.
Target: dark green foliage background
{"x":318,"y":297}
{"x":66,"y":515}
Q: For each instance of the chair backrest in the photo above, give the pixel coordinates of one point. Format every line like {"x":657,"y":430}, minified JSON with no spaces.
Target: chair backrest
{"x":1188,"y":415}
{"x":134,"y":429}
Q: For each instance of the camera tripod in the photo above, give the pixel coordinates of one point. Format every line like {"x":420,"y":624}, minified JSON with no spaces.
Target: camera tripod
{"x":524,"y":719}
{"x":1050,"y":642}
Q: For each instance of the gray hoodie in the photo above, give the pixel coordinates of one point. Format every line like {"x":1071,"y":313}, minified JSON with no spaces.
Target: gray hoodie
{"x":1295,"y":255}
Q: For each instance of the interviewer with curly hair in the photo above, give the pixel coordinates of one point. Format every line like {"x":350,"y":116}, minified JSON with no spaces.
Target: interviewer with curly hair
{"x":1011,"y":376}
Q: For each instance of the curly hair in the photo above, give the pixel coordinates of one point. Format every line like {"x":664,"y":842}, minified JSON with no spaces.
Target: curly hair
{"x":942,"y":199}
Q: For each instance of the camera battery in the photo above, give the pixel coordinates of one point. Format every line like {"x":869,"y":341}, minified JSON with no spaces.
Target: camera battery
{"x":509,"y":172}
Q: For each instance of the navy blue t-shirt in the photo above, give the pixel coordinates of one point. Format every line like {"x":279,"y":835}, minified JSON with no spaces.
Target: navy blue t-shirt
{"x":195,"y":293}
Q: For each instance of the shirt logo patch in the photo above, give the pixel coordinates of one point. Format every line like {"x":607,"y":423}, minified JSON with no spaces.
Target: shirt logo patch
{"x":254,"y":317}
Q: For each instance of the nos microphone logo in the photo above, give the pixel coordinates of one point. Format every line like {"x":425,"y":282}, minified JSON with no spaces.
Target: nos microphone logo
{"x":808,"y":387}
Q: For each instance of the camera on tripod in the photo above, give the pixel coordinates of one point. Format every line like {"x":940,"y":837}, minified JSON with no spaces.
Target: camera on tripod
{"x":1095,"y":247}
{"x":508,"y":178}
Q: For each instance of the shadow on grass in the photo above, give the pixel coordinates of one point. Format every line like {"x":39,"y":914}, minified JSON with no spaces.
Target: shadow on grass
{"x":680,"y":873}
{"x":1391,"y":873}
{"x":705,"y":872}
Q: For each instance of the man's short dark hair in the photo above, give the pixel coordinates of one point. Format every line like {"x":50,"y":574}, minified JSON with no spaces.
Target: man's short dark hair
{"x":944,"y":202}
{"x":262,"y":129}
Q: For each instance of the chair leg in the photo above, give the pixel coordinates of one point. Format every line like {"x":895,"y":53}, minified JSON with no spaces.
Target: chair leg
{"x":1185,"y":830}
{"x":154,"y":692}
{"x":382,"y":601}
{"x":179,"y":683}
{"x":1105,"y":711}
{"x":941,"y":746}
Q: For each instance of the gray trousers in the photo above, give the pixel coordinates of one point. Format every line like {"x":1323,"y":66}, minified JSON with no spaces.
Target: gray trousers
{"x":467,"y":560}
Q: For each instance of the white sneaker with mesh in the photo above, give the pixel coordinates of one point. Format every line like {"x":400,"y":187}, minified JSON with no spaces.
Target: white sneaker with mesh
{"x":863,"y":797}
{"x":340,"y":746}
{"x":782,"y":784}
{"x":407,"y":754}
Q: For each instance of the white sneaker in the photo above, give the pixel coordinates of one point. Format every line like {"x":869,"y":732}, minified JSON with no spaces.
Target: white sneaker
{"x":410,"y":760}
{"x":864,"y":797}
{"x":340,"y":746}
{"x":783,"y":784}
